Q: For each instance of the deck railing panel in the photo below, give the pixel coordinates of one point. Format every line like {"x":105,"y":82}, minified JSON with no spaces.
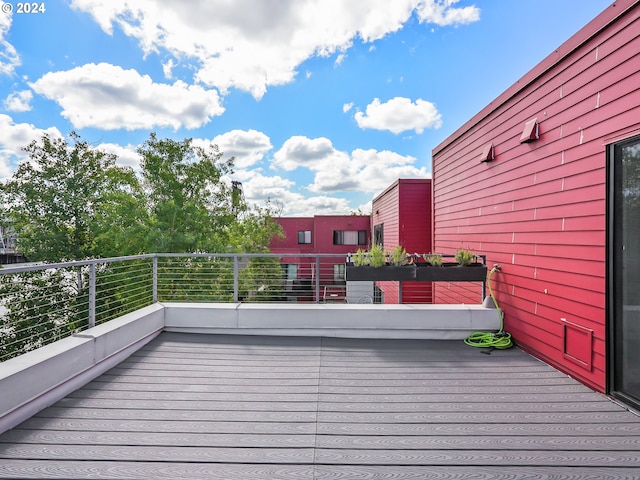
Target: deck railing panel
{"x":42,"y":303}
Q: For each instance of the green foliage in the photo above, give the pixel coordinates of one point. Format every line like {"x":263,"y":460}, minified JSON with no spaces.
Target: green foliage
{"x":433,"y":259}
{"x":38,"y":308}
{"x":377,"y":256}
{"x":465,"y":257}
{"x":189,"y":206}
{"x":398,"y":256}
{"x":360,"y":258}
{"x":72,"y":202}
{"x":63,"y":199}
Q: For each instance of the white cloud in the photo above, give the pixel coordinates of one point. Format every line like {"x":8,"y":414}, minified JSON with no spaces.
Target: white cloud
{"x":259,"y":188}
{"x":300,"y":151}
{"x":13,"y":138}
{"x":19,"y":101}
{"x":108,"y":97}
{"x":321,"y":205}
{"x":9,"y":58}
{"x":251,"y":45}
{"x":399,"y":114}
{"x":367,"y":171}
{"x":347,"y":107}
{"x":379,"y":169}
{"x":442,"y":13}
{"x":167,"y":69}
{"x":247,"y":146}
{"x":126,"y":156}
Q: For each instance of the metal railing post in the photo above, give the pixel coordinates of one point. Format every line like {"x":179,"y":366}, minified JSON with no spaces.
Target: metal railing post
{"x":155,"y":279}
{"x":317,"y":279}
{"x":92,"y":295}
{"x":235,"y":279}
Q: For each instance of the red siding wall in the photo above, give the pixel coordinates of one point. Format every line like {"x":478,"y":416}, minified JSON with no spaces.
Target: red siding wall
{"x":405,"y":210}
{"x":539,"y":208}
{"x":322,"y":228}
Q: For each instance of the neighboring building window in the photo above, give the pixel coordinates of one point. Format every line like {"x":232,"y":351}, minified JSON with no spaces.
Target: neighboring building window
{"x":304,"y":236}
{"x":349,"y":237}
{"x":338,"y":271}
{"x":378,"y":234}
{"x":289,"y":270}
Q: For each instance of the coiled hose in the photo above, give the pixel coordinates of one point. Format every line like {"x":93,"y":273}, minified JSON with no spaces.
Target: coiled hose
{"x":500,"y":339}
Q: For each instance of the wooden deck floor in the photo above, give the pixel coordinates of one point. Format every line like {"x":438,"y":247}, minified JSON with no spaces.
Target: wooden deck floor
{"x":233,"y":407}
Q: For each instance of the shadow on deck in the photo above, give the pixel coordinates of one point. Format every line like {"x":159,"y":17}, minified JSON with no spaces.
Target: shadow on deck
{"x":246,"y":407}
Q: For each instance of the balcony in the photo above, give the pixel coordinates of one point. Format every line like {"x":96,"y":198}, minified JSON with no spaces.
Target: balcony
{"x":281,"y":389}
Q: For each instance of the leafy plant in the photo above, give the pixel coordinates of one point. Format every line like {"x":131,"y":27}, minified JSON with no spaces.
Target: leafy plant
{"x":433,"y":259}
{"x":360,"y":258}
{"x":377,"y":257}
{"x":399,"y":256}
{"x":464,"y":257}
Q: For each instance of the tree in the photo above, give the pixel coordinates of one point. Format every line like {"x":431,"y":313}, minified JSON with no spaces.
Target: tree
{"x":64,"y":201}
{"x":189,"y":206}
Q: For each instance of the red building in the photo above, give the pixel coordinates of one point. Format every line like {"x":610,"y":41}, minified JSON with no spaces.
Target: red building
{"x":402,"y":216}
{"x":321,"y":234}
{"x":545,"y":180}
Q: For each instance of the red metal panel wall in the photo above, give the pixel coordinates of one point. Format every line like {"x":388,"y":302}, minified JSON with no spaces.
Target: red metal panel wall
{"x":539,"y":208}
{"x":415,"y":232}
{"x":405,"y":210}
{"x":289,"y":243}
{"x":385,"y":211}
{"x":326,"y":224}
{"x":415,"y":215}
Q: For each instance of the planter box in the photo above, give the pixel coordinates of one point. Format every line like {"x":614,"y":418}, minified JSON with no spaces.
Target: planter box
{"x":380,"y":274}
{"x":452,"y":273}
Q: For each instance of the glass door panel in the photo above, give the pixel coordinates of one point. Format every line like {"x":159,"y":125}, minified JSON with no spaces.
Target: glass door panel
{"x":626,"y":270}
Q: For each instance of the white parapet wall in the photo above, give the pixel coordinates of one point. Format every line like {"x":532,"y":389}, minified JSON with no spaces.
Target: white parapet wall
{"x":39,"y":378}
{"x":447,"y":322}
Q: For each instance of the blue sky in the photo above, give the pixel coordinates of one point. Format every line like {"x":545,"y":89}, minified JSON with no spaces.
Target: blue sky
{"x":323,"y":103}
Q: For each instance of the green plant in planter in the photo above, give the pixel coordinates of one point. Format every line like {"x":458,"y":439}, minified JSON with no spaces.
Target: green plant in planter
{"x":377,"y":257}
{"x":433,"y":259}
{"x":465,"y":257}
{"x":360,"y":258}
{"x":399,"y":256}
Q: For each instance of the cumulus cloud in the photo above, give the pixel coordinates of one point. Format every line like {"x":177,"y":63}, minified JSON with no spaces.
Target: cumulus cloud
{"x":252,"y":45}
{"x":336,"y":171}
{"x":259,"y":188}
{"x":126,"y":156}
{"x":19,"y":101}
{"x":247,"y":146}
{"x":9,"y":58}
{"x":347,"y":107}
{"x":108,"y":97}
{"x":14,"y":137}
{"x":399,"y":115}
{"x":299,"y":151}
{"x":443,"y":13}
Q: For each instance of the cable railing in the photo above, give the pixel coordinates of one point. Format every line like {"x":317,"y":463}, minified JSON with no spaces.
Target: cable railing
{"x":42,"y":303}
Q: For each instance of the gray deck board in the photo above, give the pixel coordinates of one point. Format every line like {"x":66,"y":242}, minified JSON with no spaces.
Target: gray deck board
{"x":249,"y":407}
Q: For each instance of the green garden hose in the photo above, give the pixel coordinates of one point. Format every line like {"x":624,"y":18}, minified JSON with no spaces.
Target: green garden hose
{"x":500,"y":339}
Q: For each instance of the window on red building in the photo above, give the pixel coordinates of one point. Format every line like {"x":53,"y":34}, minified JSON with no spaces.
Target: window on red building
{"x":338,"y":272}
{"x":304,"y":236}
{"x":378,"y":234}
{"x":349,"y":237}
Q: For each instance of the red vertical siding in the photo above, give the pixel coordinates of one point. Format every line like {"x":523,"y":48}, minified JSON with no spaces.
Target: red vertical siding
{"x":539,"y":208}
{"x":405,"y":210}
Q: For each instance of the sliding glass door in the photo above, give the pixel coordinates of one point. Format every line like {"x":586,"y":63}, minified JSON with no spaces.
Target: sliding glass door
{"x":624,"y":270}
